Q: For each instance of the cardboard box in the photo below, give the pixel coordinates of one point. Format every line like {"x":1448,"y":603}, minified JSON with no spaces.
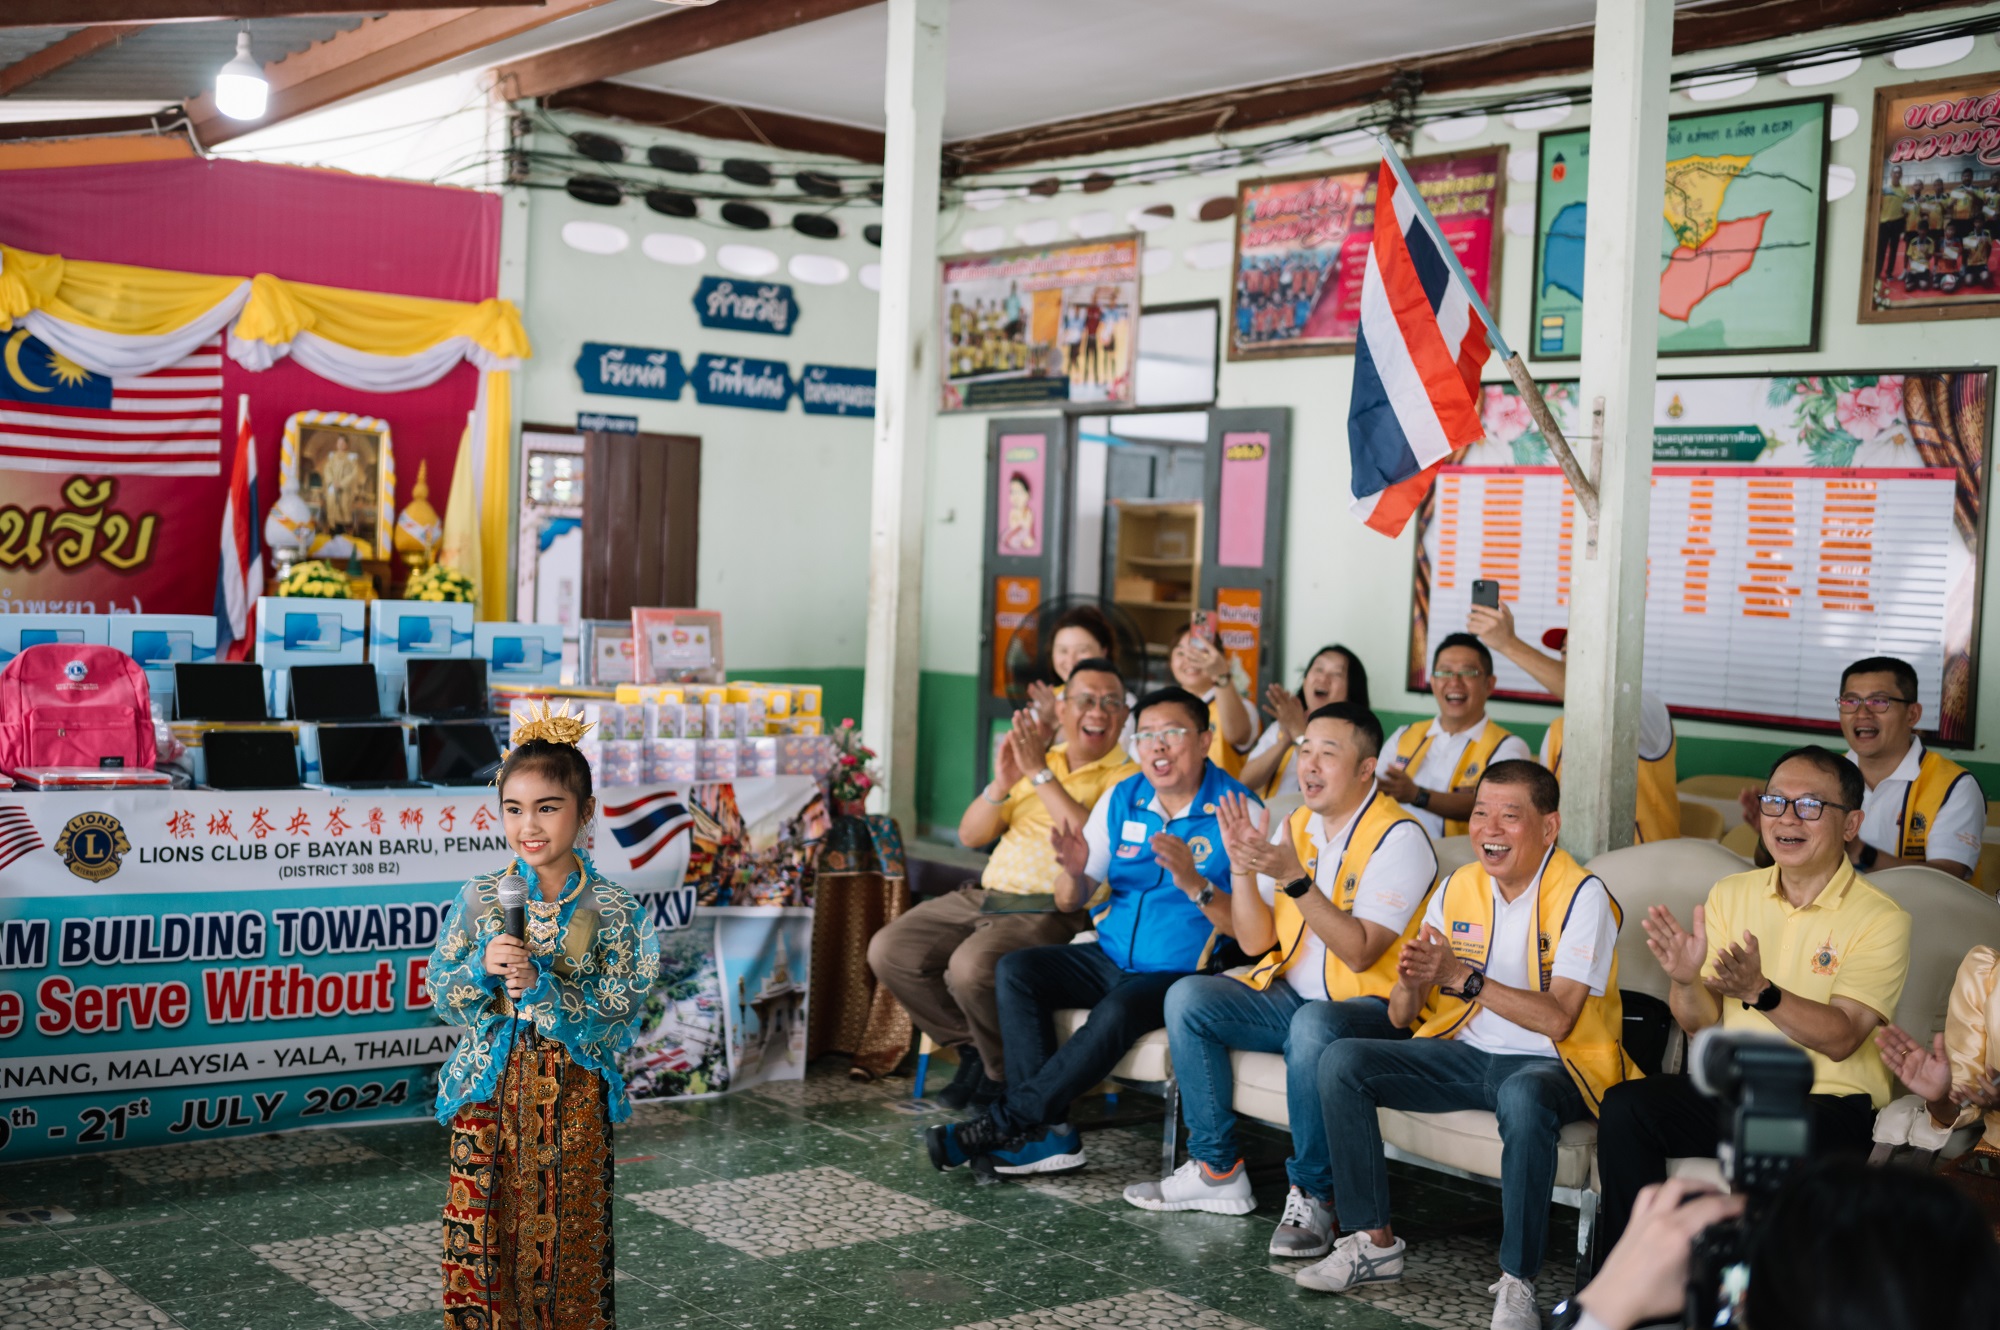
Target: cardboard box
{"x":640,"y":693}
{"x":27,"y":630}
{"x":617,"y":762}
{"x":520,"y":652}
{"x":715,"y":759}
{"x":757,"y":757}
{"x":672,"y":761}
{"x":307,"y":631}
{"x":403,"y":630}
{"x":159,"y":642}
{"x":804,"y":755}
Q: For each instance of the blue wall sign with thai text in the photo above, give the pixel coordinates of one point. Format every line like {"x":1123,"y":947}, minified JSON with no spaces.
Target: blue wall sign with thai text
{"x":758,"y":307}
{"x":603,"y":422}
{"x":831,"y":390}
{"x":631,"y":371}
{"x":762,"y":385}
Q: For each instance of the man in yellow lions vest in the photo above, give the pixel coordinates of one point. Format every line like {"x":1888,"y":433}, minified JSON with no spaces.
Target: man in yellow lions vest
{"x":1807,"y":949}
{"x":1659,"y":806}
{"x":1432,"y":769}
{"x":1919,"y":807}
{"x":1512,"y":984}
{"x":1336,"y":886}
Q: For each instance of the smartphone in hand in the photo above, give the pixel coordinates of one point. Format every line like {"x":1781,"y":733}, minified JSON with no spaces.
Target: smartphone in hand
{"x":1486,"y":592}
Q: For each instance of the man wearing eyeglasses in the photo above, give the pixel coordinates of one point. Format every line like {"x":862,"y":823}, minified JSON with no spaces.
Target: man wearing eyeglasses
{"x":939,"y":957}
{"x":1433,"y":770}
{"x":1807,"y":949}
{"x":1156,"y":845}
{"x":1920,"y":807}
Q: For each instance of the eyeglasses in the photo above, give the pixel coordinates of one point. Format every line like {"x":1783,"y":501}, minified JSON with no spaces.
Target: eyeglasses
{"x":1807,"y":807}
{"x":1171,"y":737}
{"x":1457,"y":676}
{"x":1110,"y":703}
{"x":1876,"y":703}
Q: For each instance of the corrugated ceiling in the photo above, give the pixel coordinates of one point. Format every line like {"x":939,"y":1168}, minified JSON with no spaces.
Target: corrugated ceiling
{"x":169,"y":61}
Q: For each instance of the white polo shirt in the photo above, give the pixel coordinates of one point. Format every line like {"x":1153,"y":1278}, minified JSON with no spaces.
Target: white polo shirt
{"x":1957,"y":833}
{"x":1441,"y":759}
{"x":1514,"y":959}
{"x":1656,"y":731}
{"x":1400,"y":871}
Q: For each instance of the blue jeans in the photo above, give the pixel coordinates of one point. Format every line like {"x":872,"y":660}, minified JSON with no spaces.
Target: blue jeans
{"x":1533,"y":1098}
{"x":1207,"y":1015}
{"x":1036,"y":982}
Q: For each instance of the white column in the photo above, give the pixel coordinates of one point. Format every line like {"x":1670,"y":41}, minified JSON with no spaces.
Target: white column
{"x":1621,"y":296}
{"x":905,"y":397}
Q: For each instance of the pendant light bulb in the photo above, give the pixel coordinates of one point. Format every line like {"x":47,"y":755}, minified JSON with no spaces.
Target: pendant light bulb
{"x":241,"y":91}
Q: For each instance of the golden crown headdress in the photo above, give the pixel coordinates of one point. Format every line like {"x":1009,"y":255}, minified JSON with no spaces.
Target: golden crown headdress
{"x":556,"y":727}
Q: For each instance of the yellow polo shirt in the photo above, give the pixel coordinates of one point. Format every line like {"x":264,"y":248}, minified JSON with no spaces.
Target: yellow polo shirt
{"x":1852,"y":942}
{"x":1024,"y":861}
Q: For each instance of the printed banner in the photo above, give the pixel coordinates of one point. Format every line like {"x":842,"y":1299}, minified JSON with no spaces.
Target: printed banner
{"x":196,"y":964}
{"x":631,"y":371}
{"x":1302,"y":248}
{"x":1935,"y":176}
{"x":1021,"y":495}
{"x":1052,"y":324}
{"x":758,"y":307}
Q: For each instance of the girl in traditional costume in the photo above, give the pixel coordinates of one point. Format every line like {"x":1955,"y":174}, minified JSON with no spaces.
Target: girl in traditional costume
{"x":534,"y":1086}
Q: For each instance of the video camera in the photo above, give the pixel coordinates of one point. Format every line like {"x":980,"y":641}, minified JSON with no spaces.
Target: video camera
{"x":1760,"y":1084}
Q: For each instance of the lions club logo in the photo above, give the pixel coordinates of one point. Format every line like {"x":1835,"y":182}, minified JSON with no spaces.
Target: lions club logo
{"x":1199,"y":847}
{"x":1917,"y":823}
{"x":76,"y":671}
{"x":92,"y":845}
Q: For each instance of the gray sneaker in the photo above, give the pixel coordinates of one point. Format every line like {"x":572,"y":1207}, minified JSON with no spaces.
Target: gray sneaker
{"x":1354,"y":1261}
{"x":1194,"y":1186}
{"x":1306,"y":1229}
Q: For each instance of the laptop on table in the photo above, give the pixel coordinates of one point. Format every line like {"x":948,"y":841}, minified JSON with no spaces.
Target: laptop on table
{"x":453,"y":689}
{"x":251,"y":759}
{"x":365,"y":757}
{"x":457,"y":752}
{"x":219,"y":691}
{"x":334,"y":692}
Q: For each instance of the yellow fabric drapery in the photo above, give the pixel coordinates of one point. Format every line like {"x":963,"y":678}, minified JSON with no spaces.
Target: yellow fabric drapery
{"x":149,"y":302}
{"x":498,"y":475}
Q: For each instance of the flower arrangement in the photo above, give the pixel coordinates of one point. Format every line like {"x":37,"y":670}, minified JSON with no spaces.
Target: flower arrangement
{"x":315,"y":579}
{"x":439,"y":583}
{"x":850,"y":780}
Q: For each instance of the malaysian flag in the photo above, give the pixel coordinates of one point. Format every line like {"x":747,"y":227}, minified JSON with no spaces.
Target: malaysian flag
{"x":57,"y":416}
{"x":650,"y":824}
{"x":17,"y":834}
{"x":1423,"y":338}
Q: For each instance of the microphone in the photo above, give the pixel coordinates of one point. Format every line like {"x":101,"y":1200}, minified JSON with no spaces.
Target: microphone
{"x":513,"y":896}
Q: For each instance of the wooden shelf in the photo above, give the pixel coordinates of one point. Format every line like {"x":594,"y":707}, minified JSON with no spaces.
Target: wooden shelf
{"x":1143,"y":562}
{"x":1159,"y":552}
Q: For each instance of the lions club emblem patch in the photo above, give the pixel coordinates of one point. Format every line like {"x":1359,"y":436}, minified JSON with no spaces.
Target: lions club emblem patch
{"x":93,"y":846}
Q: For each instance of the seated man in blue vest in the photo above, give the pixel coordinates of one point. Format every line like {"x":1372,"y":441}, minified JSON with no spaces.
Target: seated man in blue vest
{"x":1512,"y":984}
{"x":1155,"y":843}
{"x":1326,"y":895}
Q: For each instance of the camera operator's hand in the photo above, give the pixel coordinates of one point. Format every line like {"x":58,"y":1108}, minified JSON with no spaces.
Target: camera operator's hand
{"x":1644,"y":1279}
{"x":1739,"y":970}
{"x":1680,"y":953}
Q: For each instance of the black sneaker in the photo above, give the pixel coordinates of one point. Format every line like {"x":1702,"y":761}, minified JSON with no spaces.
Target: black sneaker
{"x":989,"y":1093}
{"x":965,"y":1085}
{"x":955,"y":1144}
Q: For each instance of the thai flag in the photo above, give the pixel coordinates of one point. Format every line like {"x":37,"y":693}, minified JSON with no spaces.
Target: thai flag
{"x":241,"y":578}
{"x":650,"y":825}
{"x":1416,"y":361}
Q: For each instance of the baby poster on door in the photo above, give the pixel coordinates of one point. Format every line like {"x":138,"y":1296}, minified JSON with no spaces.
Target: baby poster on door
{"x":1021,"y":505}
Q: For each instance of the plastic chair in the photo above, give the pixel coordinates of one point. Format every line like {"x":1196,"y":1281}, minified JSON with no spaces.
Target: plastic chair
{"x":1701,"y":821}
{"x":1719,"y":787}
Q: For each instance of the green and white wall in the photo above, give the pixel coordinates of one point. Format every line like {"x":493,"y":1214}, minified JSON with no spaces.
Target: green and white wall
{"x":785,"y":498}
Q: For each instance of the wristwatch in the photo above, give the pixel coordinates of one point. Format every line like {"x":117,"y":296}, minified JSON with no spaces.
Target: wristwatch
{"x":1475,"y":984}
{"x":1298,"y":887}
{"x":1041,"y":778}
{"x":1767,"y":1000}
{"x":1423,"y":798}
{"x":1206,"y":894}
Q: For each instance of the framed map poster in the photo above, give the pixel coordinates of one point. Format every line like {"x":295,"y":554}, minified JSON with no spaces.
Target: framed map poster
{"x":1798,"y":523}
{"x":1302,"y":248}
{"x":1741,"y":229}
{"x":1936,"y":181}
{"x":1050,"y":323}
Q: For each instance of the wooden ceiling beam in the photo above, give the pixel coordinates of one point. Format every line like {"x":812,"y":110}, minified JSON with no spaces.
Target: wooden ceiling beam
{"x":719,"y":120}
{"x":672,"y":36}
{"x":67,"y":51}
{"x":93,"y":128}
{"x":380,"y":51}
{"x":1726,"y":23}
{"x":70,"y":13}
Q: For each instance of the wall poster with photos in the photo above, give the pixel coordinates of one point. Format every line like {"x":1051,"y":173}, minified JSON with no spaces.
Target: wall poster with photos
{"x":1798,"y":522}
{"x":1049,"y":323}
{"x":1302,"y":248}
{"x":1935,"y":177}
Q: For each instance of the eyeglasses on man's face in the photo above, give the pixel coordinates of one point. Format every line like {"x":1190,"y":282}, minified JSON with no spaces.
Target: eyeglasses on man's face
{"x":1173,"y":736}
{"x":1458,"y":676}
{"x":1807,"y":807}
{"x":1875,"y":702}
{"x":1109,"y":703}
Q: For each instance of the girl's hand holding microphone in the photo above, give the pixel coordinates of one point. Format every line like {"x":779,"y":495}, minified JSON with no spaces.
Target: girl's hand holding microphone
{"x":508,"y":957}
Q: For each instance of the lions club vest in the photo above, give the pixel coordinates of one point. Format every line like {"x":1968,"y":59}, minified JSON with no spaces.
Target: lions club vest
{"x":1592,"y":1054}
{"x":1149,"y":924}
{"x":1659,"y":806}
{"x":1936,"y":775}
{"x":1471,"y":763}
{"x":1382,"y":815}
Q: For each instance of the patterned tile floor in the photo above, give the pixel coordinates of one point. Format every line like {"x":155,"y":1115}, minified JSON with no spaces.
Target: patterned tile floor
{"x":807,"y":1206}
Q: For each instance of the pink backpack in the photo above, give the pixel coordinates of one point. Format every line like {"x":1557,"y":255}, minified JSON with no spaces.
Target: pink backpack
{"x":66,"y":704}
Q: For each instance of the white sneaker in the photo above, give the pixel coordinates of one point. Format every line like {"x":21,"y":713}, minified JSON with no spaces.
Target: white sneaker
{"x":1194,"y":1186}
{"x":1306,"y":1230}
{"x":1514,"y":1305}
{"x":1355,"y":1261}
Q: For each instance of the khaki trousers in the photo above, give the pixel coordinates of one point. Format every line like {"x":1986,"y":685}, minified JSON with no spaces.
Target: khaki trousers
{"x":938,"y":959}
